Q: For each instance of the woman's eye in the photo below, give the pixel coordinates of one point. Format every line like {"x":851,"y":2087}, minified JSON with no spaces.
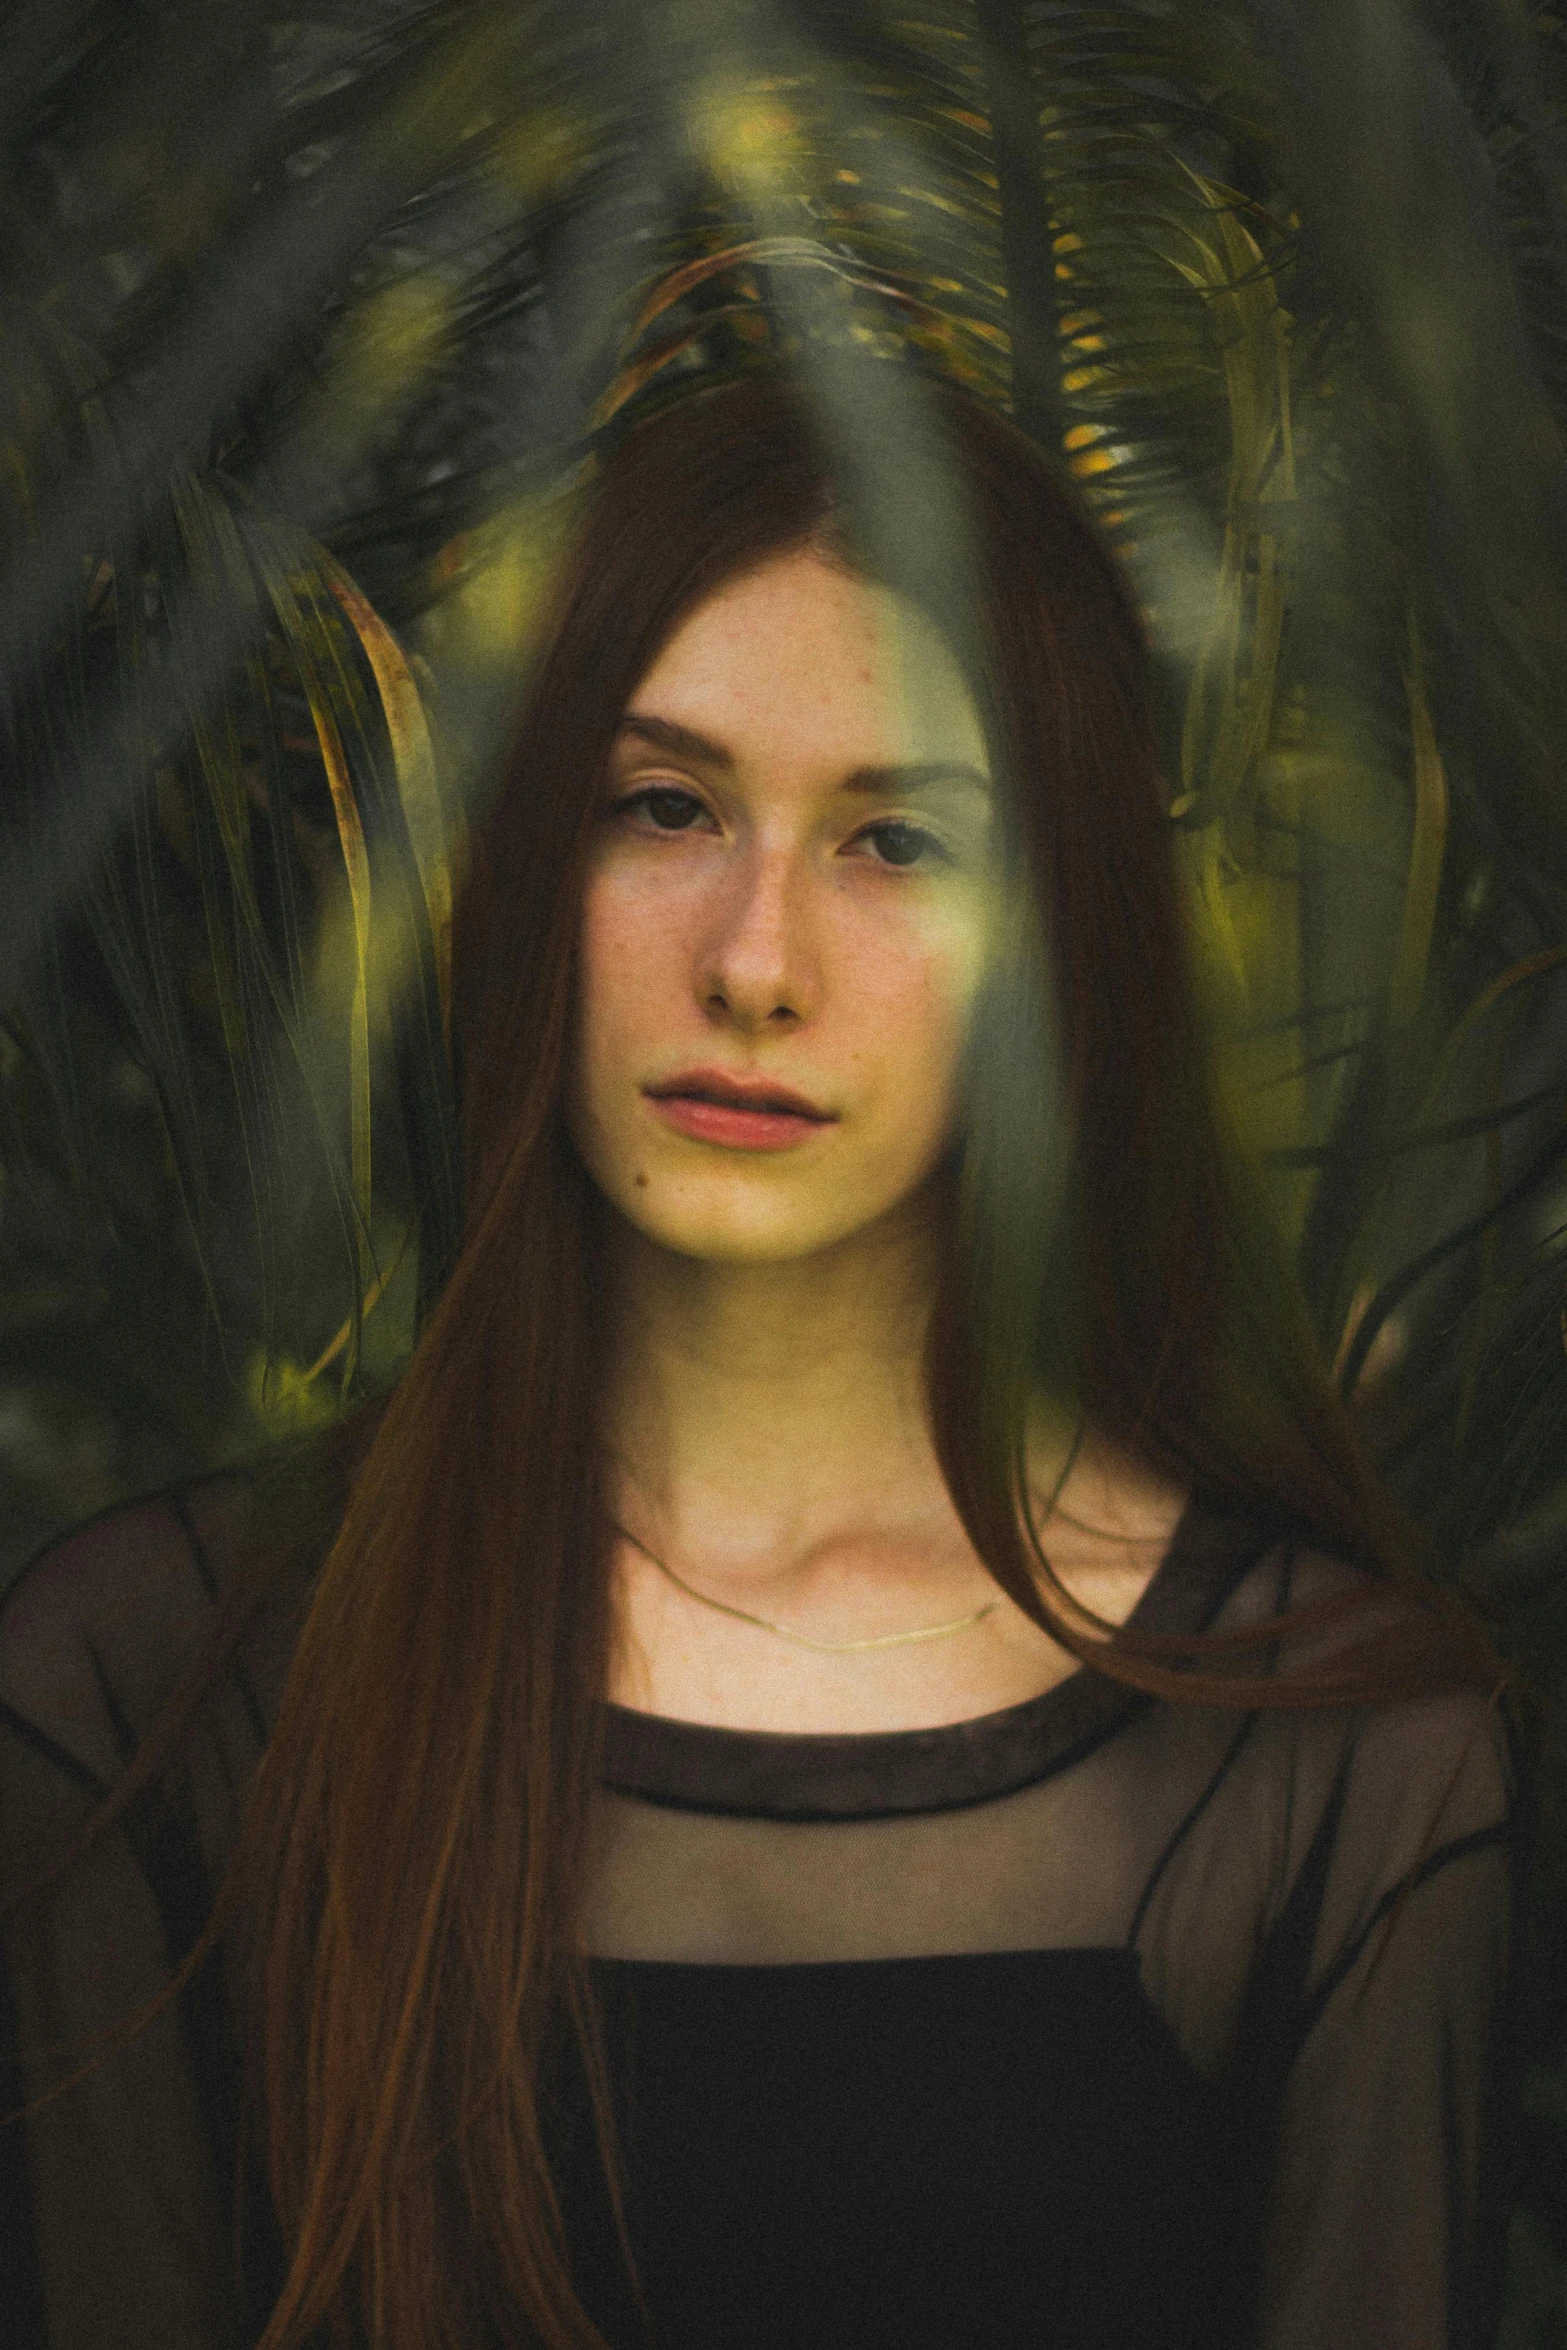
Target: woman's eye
{"x":905,"y":844}
{"x":664,"y":807}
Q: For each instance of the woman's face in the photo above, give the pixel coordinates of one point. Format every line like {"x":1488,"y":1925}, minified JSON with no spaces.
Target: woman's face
{"x":785,"y":921}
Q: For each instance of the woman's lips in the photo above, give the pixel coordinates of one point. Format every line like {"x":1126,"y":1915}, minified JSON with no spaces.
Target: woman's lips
{"x":713,"y":1109}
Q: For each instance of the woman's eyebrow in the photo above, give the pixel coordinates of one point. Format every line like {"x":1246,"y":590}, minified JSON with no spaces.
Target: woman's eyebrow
{"x":683,"y":741}
{"x":905,"y":776}
{"x":916,"y":775}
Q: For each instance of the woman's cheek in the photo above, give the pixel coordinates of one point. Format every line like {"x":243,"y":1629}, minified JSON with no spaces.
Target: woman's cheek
{"x":949,"y":947}
{"x":917,"y":1035}
{"x":627,"y":953}
{"x":616,"y":1016}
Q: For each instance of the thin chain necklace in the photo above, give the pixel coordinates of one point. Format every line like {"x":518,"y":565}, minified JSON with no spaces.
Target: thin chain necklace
{"x":803,"y":1639}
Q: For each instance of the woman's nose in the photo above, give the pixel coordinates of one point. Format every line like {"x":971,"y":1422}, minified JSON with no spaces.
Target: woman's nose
{"x":756,"y":967}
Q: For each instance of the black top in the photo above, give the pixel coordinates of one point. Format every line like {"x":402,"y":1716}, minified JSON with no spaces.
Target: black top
{"x":1097,"y":2021}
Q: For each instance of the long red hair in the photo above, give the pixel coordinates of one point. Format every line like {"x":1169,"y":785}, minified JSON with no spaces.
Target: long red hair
{"x":410,"y":1877}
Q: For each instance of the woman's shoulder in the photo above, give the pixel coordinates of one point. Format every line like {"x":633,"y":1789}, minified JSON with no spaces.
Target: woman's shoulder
{"x":1437,"y":1753}
{"x":96,"y":1625}
{"x":101,"y":1626}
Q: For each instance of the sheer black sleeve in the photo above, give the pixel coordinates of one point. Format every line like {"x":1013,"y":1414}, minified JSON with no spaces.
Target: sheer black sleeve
{"x":116,"y":2219}
{"x":1378,"y":2016}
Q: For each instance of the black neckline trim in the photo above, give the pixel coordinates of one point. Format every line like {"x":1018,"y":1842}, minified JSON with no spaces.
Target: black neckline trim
{"x":880,"y":1774}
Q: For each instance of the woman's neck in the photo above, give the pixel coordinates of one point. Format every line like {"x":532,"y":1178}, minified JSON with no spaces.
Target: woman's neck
{"x":757,"y":1409}
{"x":774,"y":1453}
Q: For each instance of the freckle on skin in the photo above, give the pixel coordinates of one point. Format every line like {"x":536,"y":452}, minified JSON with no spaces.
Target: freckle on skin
{"x":641,"y":1180}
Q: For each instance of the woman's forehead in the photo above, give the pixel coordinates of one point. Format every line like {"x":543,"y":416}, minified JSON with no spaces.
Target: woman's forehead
{"x":801,"y":651}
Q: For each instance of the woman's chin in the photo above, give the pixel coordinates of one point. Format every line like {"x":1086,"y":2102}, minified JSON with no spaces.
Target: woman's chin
{"x":753,"y":1232}
{"x":743,"y":1241}
{"x":744,"y":1231}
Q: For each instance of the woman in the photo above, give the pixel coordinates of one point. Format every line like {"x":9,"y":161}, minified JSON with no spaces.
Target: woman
{"x":1042,"y":1872}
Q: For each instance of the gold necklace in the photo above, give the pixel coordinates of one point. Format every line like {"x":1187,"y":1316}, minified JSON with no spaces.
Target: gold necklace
{"x":803,"y":1639}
